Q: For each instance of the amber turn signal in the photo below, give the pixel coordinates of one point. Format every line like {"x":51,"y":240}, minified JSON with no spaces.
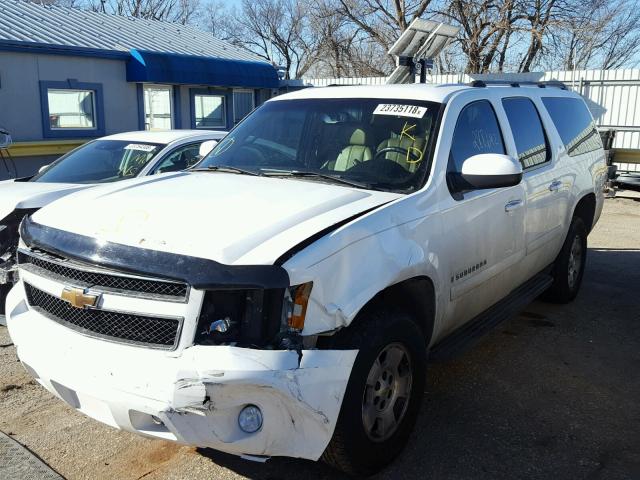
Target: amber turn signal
{"x":300,"y":302}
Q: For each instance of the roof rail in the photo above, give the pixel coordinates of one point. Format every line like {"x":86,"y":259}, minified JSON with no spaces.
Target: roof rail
{"x":512,"y":83}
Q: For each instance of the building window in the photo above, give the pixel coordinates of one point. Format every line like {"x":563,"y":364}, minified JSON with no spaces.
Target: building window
{"x":158,"y":112}
{"x":71,"y":109}
{"x":243,"y":104}
{"x":211,"y":108}
{"x":210,"y":111}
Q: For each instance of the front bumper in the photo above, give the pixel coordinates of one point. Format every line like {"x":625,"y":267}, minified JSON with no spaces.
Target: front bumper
{"x":192,"y":396}
{"x":8,"y":268}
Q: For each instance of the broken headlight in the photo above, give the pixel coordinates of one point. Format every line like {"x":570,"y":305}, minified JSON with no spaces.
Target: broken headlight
{"x":239,"y":317}
{"x":253,"y":318}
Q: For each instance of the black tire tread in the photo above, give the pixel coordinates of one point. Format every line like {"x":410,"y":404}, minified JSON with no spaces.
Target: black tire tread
{"x":559,"y":291}
{"x":336,"y":454}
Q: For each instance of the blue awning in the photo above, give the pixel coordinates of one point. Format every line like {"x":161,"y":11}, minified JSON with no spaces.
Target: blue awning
{"x":145,"y":66}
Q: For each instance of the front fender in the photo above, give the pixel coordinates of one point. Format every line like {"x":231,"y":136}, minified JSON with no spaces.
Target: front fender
{"x":347,"y":279}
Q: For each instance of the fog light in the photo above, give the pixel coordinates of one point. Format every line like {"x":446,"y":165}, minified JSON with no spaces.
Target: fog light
{"x":250,"y":419}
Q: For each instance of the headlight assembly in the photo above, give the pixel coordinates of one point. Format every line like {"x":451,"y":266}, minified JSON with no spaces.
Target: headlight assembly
{"x":253,"y":318}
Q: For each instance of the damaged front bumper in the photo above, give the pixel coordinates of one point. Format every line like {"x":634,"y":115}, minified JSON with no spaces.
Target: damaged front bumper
{"x":193,"y":396}
{"x":8,"y":268}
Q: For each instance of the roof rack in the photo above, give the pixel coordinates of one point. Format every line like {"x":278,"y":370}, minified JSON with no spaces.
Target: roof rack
{"x":512,"y":83}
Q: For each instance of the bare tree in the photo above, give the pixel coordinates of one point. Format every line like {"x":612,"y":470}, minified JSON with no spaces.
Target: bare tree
{"x":343,"y":49}
{"x":217,"y":18}
{"x":597,"y":34}
{"x":381,"y":21}
{"x":540,"y":16}
{"x":178,"y":11}
{"x":340,"y":38}
{"x":486,"y":28}
{"x":278,"y":31}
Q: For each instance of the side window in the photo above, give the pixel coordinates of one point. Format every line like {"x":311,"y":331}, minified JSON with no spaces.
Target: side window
{"x":574,"y":124}
{"x":181,"y":158}
{"x":477,"y":131}
{"x":528,"y":133}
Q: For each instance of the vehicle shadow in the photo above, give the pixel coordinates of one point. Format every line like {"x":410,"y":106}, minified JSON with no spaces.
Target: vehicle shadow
{"x":551,"y":393}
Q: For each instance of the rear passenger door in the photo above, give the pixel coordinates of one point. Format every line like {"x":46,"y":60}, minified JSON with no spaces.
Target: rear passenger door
{"x":541,"y":179}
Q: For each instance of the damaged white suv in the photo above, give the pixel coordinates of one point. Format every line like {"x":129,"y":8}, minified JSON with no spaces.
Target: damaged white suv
{"x":282,"y":297}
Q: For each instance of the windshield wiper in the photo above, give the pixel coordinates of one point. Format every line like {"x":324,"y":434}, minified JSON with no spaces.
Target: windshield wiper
{"x":298,"y":174}
{"x":226,"y":169}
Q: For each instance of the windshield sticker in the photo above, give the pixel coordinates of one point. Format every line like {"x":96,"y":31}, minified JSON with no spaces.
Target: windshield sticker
{"x":141,"y":147}
{"x":398,"y":110}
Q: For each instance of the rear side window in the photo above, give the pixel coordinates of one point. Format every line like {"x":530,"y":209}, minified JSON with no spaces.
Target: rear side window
{"x":574,"y":124}
{"x":477,"y":131}
{"x":528,"y":133}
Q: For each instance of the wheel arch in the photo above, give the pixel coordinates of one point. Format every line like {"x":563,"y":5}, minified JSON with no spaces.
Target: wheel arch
{"x":585,"y":209}
{"x":415,"y":295}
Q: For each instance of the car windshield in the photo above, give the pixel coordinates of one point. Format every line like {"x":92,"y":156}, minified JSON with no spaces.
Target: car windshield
{"x":100,"y":161}
{"x":381,"y":144}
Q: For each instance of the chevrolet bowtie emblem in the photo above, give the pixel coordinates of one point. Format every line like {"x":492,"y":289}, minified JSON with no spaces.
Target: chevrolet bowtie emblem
{"x":78,"y":298}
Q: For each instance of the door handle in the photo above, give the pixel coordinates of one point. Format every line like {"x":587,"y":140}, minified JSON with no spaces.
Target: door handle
{"x":513,"y":205}
{"x":555,"y":186}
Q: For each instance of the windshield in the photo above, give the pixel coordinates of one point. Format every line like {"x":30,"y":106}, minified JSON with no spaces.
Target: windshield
{"x":372,"y":143}
{"x":100,"y":161}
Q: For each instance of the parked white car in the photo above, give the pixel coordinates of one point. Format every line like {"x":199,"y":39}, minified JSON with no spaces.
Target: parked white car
{"x":107,"y":159}
{"x":282,"y":297}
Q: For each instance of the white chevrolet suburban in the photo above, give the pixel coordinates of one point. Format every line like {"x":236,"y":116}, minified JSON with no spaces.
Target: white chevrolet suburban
{"x":283,"y":296}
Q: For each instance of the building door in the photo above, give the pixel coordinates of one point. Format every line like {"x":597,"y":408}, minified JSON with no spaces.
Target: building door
{"x":158,"y":107}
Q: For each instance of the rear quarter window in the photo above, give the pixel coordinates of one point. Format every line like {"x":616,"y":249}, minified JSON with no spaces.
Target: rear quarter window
{"x":574,"y":124}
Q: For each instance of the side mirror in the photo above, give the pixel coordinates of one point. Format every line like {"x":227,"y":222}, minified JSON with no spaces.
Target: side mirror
{"x":487,"y":170}
{"x":43,"y":168}
{"x":206,"y":147}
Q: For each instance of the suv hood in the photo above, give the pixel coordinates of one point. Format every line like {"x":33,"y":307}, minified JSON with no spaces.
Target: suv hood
{"x":31,"y":194}
{"x":228,"y":218}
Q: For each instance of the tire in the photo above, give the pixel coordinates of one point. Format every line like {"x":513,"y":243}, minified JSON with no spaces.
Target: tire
{"x":568,"y":268}
{"x":361,"y":445}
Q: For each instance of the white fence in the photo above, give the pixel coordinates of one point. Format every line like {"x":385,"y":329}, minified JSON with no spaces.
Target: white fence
{"x":613,"y":95}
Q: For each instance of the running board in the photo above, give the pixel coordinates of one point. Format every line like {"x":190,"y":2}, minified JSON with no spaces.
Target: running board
{"x":467,"y":335}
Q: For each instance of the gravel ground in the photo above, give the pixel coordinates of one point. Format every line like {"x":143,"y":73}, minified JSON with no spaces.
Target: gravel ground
{"x":553,"y":393}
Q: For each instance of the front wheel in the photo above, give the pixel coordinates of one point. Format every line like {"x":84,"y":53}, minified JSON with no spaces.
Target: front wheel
{"x":568,"y":268}
{"x":383,"y":395}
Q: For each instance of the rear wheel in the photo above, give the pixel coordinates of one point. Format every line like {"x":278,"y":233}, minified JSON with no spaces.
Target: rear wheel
{"x":384,"y":392}
{"x":568,"y":268}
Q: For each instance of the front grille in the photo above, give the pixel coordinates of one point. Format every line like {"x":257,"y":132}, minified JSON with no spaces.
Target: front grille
{"x":119,"y":327}
{"x":89,"y":277}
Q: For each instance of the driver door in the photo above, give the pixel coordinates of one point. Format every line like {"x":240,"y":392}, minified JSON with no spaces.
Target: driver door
{"x":483,"y":229}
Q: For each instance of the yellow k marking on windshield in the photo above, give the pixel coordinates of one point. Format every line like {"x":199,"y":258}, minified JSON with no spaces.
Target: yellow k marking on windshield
{"x":405,"y":133}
